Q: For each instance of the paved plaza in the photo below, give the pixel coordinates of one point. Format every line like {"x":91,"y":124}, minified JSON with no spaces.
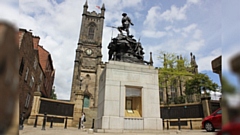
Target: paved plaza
{"x":30,"y":130}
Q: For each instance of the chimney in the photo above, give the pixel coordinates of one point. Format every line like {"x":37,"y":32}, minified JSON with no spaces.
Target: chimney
{"x":36,"y":41}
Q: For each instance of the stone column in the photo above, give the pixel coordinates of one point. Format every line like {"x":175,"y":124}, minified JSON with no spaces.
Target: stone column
{"x":35,"y":107}
{"x":206,"y":106}
{"x":79,"y":95}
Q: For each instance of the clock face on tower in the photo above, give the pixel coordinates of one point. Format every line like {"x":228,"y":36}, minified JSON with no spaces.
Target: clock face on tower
{"x":88,"y":51}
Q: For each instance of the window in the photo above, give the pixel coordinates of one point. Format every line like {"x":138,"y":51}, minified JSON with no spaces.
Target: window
{"x":91,"y":31}
{"x":26,"y":75}
{"x":35,"y":63}
{"x":133,"y":102}
{"x":219,"y":112}
{"x":21,"y":67}
{"x":86,"y":101}
{"x":31,"y":81}
{"x":41,"y":77}
{"x":27,"y":100}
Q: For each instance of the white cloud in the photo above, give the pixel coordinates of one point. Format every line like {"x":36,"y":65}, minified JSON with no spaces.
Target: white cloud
{"x":137,"y":15}
{"x":120,"y":4}
{"x":193,"y":1}
{"x":174,"y":13}
{"x":195,"y":45}
{"x":152,"y":18}
{"x":168,"y":28}
{"x":154,"y":34}
{"x":204,"y":61}
{"x":197,"y":34}
{"x":190,"y":28}
{"x":132,"y":3}
{"x":9,"y":12}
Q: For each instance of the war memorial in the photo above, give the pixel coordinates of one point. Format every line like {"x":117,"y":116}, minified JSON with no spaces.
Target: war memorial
{"x":119,"y":95}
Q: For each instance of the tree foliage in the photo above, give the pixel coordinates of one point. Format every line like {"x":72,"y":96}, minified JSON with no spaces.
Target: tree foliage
{"x":174,"y":67}
{"x":174,"y":72}
{"x":53,"y":94}
{"x":177,"y":72}
{"x":198,"y":83}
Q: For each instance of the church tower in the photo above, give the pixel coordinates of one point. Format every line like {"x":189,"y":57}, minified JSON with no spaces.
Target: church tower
{"x":88,"y":60}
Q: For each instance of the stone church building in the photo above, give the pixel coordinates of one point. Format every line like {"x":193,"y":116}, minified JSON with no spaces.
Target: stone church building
{"x":88,"y":64}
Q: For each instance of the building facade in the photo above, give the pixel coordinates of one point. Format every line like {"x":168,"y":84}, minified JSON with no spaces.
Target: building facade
{"x":88,"y":61}
{"x":33,"y":72}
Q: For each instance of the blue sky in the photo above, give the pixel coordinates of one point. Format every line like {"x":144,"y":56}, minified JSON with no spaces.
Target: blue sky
{"x":207,"y":28}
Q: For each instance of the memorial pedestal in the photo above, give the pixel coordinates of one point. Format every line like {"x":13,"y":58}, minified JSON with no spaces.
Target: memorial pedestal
{"x":128,"y":98}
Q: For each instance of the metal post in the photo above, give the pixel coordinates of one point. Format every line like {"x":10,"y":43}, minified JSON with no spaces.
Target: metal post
{"x":191,"y":124}
{"x":65,"y":127}
{"x":179,"y":124}
{"x":44,"y":121}
{"x":51,"y":125}
{"x":21,"y":121}
{"x":93,"y":124}
{"x":167,"y":125}
{"x":35,"y":123}
{"x":79,"y":123}
{"x":163,"y":124}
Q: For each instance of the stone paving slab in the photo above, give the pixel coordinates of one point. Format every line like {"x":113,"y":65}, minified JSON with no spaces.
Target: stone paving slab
{"x":30,"y":130}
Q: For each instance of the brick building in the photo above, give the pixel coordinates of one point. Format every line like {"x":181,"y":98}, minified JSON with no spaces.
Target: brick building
{"x":36,"y":72}
{"x":45,"y":60}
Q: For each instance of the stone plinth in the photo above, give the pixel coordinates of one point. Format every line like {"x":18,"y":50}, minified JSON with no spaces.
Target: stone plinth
{"x":113,"y":82}
{"x":77,"y":107}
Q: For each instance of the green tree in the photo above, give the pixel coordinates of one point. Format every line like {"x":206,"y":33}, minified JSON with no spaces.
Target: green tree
{"x":53,"y":94}
{"x":175,"y":69}
{"x":198,"y":83}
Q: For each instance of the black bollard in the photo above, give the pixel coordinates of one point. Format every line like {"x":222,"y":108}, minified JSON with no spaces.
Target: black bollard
{"x":51,"y":125}
{"x":179,"y":124}
{"x":79,"y":123}
{"x":65,"y":127}
{"x":167,"y":125}
{"x":44,"y":121}
{"x":191,"y":124}
{"x":21,"y":121}
{"x":93,"y":124}
{"x":163,"y":124}
{"x":35,"y":123}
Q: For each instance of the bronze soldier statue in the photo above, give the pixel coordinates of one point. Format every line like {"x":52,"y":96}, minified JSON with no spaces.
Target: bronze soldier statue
{"x":126,"y":21}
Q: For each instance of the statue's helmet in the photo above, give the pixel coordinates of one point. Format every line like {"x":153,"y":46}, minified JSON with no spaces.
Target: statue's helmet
{"x":124,"y":14}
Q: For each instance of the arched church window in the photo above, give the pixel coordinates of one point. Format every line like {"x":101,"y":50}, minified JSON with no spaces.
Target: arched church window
{"x":86,"y":101}
{"x":91,"y":31}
